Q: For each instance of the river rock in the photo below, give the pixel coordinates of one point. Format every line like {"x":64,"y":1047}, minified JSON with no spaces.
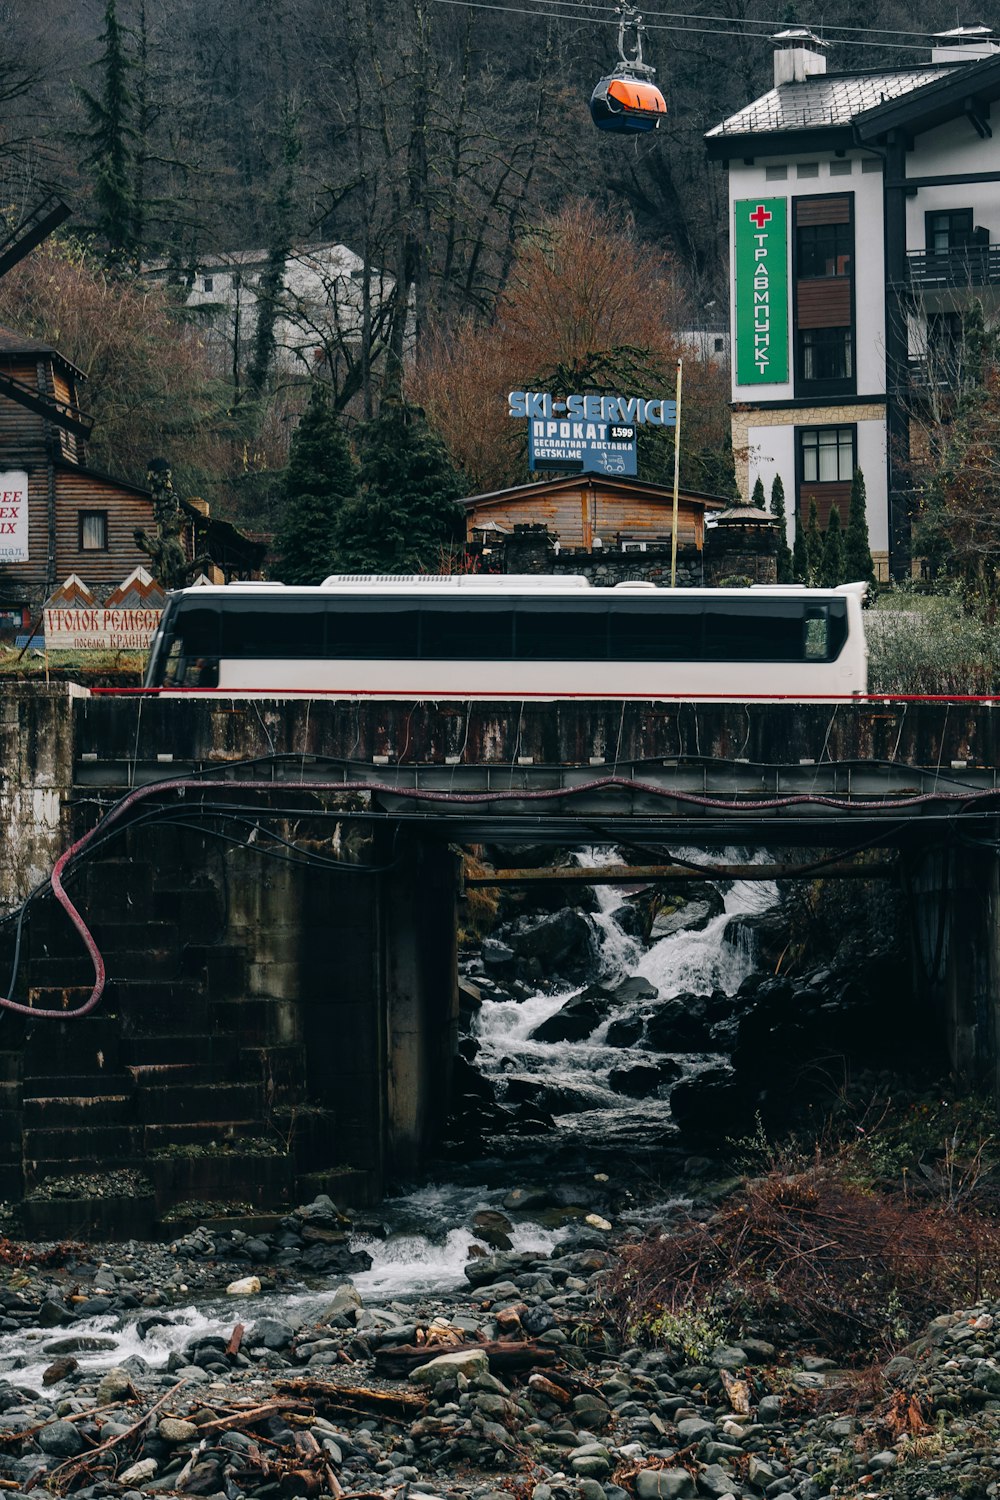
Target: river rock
{"x":470,"y":1363}
{"x":563,"y":941}
{"x":686,"y":914}
{"x":175,"y":1431}
{"x":572,"y":1022}
{"x":60,"y":1439}
{"x":137,"y":1474}
{"x":624,"y":1031}
{"x":679,"y":1025}
{"x":115,"y":1385}
{"x":643,"y":1079}
{"x":664,"y":1484}
{"x":247,"y":1286}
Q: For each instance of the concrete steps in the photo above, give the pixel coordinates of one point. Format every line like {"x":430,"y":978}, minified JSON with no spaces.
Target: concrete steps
{"x":192,"y":1063}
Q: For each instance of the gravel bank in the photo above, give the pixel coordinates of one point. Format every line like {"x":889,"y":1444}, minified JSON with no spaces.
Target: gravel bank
{"x":513,"y":1383}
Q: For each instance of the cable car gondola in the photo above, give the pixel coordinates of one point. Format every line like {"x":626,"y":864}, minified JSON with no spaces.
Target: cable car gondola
{"x":628,"y":100}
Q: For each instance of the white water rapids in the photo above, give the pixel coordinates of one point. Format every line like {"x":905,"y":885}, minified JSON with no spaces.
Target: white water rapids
{"x":698,"y":962}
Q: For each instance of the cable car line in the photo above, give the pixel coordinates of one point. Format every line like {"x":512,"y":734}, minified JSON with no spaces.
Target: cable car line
{"x":748,"y":20}
{"x":569,"y":15}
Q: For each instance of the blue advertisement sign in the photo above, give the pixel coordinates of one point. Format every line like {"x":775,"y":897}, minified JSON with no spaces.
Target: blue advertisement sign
{"x":586,"y":434}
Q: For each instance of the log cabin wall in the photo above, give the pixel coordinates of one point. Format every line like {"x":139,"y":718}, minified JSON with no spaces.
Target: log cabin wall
{"x":580,"y":513}
{"x":61,"y":490}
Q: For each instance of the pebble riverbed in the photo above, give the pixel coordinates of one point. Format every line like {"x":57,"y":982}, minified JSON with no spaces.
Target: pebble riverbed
{"x":539,"y":1399}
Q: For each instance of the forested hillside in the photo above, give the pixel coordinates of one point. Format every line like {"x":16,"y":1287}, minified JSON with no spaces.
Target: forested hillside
{"x":428,"y":135}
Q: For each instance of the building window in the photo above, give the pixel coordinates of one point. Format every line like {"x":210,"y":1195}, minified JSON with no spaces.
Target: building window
{"x":93,"y":531}
{"x":827,"y":454}
{"x":824,"y":250}
{"x":208,"y":283}
{"x":807,"y":169}
{"x":825,"y":354}
{"x":871,"y":164}
{"x":950,"y":229}
{"x":841,"y":168}
{"x":775,"y":174}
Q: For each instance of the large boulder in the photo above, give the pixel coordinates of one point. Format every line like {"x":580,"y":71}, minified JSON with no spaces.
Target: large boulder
{"x":572,"y":1022}
{"x":563,"y":943}
{"x":643,"y":1079}
{"x":686,"y":913}
{"x":679,"y":1025}
{"x":712,"y":1105}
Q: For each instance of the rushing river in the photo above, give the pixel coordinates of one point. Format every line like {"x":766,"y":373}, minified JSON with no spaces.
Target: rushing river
{"x":430,"y":1230}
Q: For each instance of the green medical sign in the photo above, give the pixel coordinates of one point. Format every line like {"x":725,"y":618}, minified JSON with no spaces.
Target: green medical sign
{"x":761,"y":291}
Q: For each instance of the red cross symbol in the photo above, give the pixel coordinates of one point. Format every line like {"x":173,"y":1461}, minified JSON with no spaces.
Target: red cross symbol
{"x":760,"y":216}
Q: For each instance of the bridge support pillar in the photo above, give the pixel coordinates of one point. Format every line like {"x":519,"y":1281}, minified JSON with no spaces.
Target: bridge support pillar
{"x":955,"y":902}
{"x":418,"y":908}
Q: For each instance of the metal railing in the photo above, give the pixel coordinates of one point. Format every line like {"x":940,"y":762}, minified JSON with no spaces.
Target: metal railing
{"x":969,"y":265}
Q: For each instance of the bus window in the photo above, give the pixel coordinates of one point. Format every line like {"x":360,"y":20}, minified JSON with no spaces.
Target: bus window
{"x":766,"y":630}
{"x":269,"y":630}
{"x":368,"y":630}
{"x":655,"y":631}
{"x":173,"y":671}
{"x":817,"y":634}
{"x":450,"y":631}
{"x":555,"y":630}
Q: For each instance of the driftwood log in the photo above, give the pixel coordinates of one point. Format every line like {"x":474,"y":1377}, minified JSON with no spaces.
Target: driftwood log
{"x":327,"y":1395}
{"x":505,"y":1359}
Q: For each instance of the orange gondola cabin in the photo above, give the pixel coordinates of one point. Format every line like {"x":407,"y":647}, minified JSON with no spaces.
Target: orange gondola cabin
{"x":621,"y":103}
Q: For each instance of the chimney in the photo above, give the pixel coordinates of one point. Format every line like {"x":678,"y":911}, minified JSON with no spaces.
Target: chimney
{"x":963,"y":44}
{"x":798,"y":54}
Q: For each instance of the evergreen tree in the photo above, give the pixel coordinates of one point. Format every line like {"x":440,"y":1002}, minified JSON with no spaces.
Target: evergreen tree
{"x":800,"y":562}
{"x":404,"y":516}
{"x":832,"y":570}
{"x":813,"y":546}
{"x":785,"y":563}
{"x":272,"y":279}
{"x":320,"y":479}
{"x":858,"y":566}
{"x":757,"y":498}
{"x":111,"y":159}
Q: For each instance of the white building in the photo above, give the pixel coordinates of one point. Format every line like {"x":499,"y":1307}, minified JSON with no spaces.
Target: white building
{"x":321,"y":311}
{"x":864,"y":214}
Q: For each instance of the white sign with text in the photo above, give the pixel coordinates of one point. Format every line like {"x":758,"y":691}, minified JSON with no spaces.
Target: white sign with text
{"x":96,"y":628}
{"x":13,"y":516}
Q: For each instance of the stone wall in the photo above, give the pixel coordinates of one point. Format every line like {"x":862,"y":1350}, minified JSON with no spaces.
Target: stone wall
{"x":36,"y":777}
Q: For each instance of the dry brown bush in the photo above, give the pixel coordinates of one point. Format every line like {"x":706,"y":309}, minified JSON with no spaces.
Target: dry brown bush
{"x":814,"y":1255}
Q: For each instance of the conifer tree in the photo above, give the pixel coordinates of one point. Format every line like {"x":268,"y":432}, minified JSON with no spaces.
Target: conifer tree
{"x":757,"y":498}
{"x":800,"y":562}
{"x":858,"y":565}
{"x":405,"y":514}
{"x":832,"y":571}
{"x":111,"y":158}
{"x":320,"y":478}
{"x":785,"y":564}
{"x":272,"y":280}
{"x":813,"y":546}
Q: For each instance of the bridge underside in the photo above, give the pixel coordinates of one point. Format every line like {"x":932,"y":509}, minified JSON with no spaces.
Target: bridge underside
{"x":315,"y":1004}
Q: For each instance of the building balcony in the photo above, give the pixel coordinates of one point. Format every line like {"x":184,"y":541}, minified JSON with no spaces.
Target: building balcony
{"x":969,"y":265}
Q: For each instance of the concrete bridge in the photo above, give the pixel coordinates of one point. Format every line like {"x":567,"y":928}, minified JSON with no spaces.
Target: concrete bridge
{"x":271,"y":1026}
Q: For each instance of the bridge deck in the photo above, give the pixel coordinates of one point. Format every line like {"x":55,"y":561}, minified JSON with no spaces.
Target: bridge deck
{"x":771,"y":772}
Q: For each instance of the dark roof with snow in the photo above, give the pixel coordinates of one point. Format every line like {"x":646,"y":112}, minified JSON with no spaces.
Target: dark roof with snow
{"x":839,"y":110}
{"x":824,"y":100}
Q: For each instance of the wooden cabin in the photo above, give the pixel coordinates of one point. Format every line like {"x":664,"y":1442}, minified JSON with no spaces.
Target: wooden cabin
{"x":57,"y":516}
{"x":591,"y":512}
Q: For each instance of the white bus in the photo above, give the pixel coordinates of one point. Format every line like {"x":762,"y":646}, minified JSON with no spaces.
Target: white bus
{"x":512,"y":637}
